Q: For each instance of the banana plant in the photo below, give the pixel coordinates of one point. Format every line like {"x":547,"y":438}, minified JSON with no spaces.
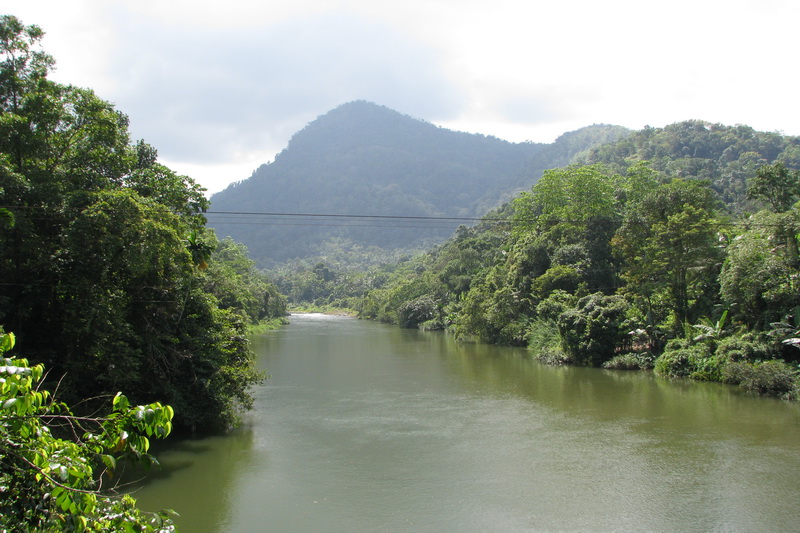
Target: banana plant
{"x":710,"y":329}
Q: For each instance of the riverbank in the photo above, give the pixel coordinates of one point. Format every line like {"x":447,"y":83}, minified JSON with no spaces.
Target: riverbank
{"x":267,"y":325}
{"x":323,"y":309}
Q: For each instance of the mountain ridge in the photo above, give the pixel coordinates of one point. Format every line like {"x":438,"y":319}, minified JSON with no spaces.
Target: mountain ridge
{"x":366,"y":159}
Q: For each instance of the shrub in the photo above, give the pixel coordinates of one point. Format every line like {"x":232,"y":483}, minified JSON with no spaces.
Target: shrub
{"x":557,"y":277}
{"x":434,"y":324}
{"x":736,"y":372}
{"x":414,"y":312}
{"x":673,"y":364}
{"x":707,"y":368}
{"x":679,"y":343}
{"x":769,"y":378}
{"x":681,"y":359}
{"x":555,"y":304}
{"x":514,"y":333}
{"x":594,"y":329}
{"x":544,"y":342}
{"x":747,"y":347}
{"x":52,"y":461}
{"x":542,"y":334}
{"x":553,"y":356}
{"x":631,"y":361}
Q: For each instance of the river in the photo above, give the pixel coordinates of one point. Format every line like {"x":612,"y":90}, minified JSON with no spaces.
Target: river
{"x":366,"y":427}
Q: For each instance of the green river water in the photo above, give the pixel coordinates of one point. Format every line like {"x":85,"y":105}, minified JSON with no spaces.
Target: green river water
{"x":364,"y":427}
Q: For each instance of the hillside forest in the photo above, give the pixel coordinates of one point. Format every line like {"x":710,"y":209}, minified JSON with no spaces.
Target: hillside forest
{"x":672,"y":249}
{"x":367,"y":160}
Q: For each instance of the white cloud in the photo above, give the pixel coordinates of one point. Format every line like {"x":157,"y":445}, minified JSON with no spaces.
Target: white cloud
{"x":204,"y":97}
{"x":219,"y":88}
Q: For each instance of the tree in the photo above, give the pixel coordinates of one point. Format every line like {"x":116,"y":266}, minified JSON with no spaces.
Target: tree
{"x":63,"y":143}
{"x":668,"y":242}
{"x":566,"y":203}
{"x":759,"y":277}
{"x":414,"y":312}
{"x":106,"y":251}
{"x":54,"y":464}
{"x":495,"y":311}
{"x":776,"y":185}
{"x":574,"y":206}
{"x":179,"y":193}
{"x":780,"y":188}
{"x":23,"y":67}
{"x":469,"y":252}
{"x":233,"y":278}
{"x":756,"y":281}
{"x":528,"y":257}
{"x":142,"y":309}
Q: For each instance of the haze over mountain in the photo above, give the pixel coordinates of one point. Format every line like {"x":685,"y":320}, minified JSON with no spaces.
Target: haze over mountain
{"x":367,"y":160}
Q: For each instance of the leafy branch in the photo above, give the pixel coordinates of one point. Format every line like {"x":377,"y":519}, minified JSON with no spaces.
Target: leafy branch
{"x":51,"y":481}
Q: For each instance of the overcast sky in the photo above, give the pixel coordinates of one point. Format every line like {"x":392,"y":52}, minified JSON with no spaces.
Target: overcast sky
{"x":220,"y":87}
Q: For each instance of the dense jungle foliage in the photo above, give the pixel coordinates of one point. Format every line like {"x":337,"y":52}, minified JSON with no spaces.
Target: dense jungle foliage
{"x":110,"y":281}
{"x":687,"y":263}
{"x":108,"y":275}
{"x":366,"y":159}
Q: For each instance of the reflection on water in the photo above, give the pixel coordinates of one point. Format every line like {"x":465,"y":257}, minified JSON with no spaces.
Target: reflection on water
{"x":197,"y":477}
{"x":366,"y":427}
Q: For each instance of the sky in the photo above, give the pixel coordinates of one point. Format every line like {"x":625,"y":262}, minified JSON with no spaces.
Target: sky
{"x":219,"y":87}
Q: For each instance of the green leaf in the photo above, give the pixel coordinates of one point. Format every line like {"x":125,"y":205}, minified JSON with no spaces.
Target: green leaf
{"x":64,"y":501}
{"x":7,"y":342}
{"x":120,"y":402}
{"x":82,"y":523}
{"x":110,"y":462}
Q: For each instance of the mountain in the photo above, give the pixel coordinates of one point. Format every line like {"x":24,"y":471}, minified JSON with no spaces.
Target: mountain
{"x":367,"y":160}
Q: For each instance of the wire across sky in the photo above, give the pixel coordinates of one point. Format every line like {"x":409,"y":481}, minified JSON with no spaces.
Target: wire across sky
{"x":320,"y":219}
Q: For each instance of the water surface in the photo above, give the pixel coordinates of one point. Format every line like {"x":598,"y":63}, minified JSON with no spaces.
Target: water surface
{"x":368,"y":427}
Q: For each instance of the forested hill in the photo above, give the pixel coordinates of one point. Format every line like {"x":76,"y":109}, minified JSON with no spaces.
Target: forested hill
{"x":725,"y":156}
{"x":366,"y":159}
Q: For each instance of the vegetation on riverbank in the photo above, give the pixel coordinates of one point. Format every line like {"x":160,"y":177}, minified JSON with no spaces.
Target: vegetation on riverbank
{"x":266,"y":325}
{"x":328,"y":309}
{"x":686,"y":263}
{"x":109,"y":275}
{"x":110,"y":281}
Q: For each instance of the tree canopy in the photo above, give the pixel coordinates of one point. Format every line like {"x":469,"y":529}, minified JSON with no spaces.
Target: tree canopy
{"x":111,"y":281}
{"x":108,"y":254}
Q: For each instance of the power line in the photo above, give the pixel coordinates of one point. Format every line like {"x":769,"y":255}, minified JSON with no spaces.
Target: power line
{"x":450,"y":223}
{"x":339,"y":215}
{"x":328,"y":225}
{"x":360,"y":220}
{"x":309,"y":219}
